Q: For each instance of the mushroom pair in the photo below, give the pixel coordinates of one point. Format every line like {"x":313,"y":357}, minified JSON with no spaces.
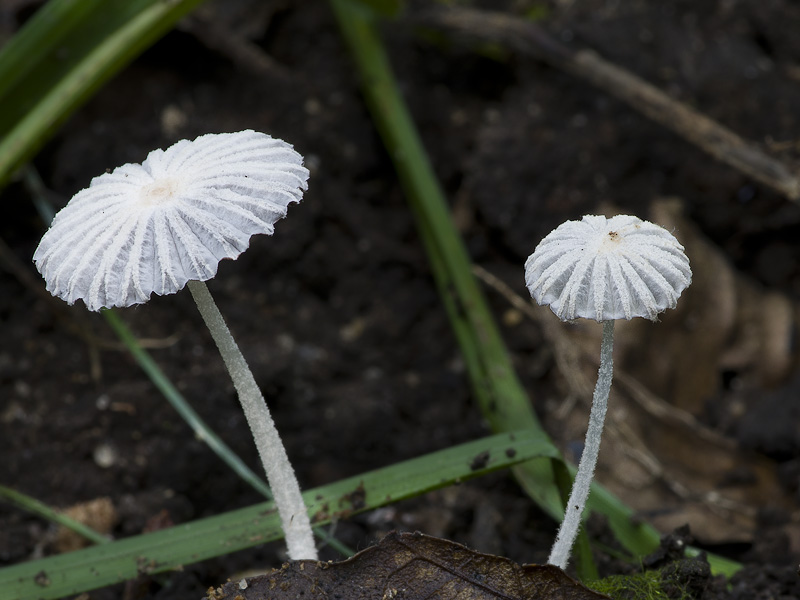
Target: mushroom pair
{"x":603,"y":269}
{"x":164,"y":224}
{"x":167,"y":223}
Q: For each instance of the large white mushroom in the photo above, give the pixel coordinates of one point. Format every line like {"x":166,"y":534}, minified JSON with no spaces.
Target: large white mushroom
{"x":158,"y":226}
{"x":603,"y":269}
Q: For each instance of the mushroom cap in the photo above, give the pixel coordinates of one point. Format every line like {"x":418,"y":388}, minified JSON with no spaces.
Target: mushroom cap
{"x":604,"y":269}
{"x":151,"y":227}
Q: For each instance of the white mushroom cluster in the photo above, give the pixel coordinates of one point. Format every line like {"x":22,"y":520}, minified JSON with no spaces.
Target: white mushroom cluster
{"x":602,"y":269}
{"x":152,"y":227}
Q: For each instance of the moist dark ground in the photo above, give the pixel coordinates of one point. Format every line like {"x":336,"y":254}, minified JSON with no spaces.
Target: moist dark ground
{"x":337,"y":312}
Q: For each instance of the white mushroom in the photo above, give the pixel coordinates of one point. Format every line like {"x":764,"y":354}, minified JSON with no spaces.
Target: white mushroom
{"x":153,"y":227}
{"x":603,"y":269}
{"x":166,"y":223}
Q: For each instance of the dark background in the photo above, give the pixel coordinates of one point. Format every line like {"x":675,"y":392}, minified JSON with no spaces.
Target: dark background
{"x":337,"y":312}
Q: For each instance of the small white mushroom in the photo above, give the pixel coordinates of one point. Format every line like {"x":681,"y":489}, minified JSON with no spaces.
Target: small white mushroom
{"x":603,"y":269}
{"x":153,"y":227}
{"x":165,"y":224}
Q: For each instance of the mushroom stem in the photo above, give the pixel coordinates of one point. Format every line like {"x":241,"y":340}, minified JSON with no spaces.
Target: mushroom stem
{"x":280,"y":475}
{"x":559,"y":555}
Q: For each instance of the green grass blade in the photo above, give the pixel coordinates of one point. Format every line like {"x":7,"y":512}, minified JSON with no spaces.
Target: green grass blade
{"x":169,"y":549}
{"x":494,"y":381}
{"x":32,"y":505}
{"x":386,"y":8}
{"x":62,"y":56}
{"x":178,"y":402}
{"x":719,"y":564}
{"x":503,"y":401}
{"x":45,"y":32}
{"x":200,"y":428}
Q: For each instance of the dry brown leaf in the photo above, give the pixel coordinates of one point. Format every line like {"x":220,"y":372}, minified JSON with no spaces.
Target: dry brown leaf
{"x":99,"y":514}
{"x":656,"y":456}
{"x":723,"y":322}
{"x":410,"y":566}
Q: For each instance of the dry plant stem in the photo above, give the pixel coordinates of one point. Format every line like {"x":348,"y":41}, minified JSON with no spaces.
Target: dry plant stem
{"x":75,"y":322}
{"x":530,"y":40}
{"x":280,"y":475}
{"x":219,"y":38}
{"x":559,"y":555}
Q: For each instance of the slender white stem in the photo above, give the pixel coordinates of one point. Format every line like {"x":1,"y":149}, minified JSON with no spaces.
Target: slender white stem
{"x":280,"y":475}
{"x":559,"y":555}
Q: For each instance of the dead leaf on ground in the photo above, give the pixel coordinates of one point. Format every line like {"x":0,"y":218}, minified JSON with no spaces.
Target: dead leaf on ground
{"x":410,"y":566}
{"x":100,"y":514}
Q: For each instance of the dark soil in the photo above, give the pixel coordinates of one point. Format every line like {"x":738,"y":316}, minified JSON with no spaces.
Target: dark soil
{"x":337,"y":312}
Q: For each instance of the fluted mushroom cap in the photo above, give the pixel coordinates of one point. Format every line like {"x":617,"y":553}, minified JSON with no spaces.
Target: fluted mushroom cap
{"x":152,"y":227}
{"x":603,"y":269}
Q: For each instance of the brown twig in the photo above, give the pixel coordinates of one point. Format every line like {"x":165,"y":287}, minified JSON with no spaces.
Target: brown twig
{"x":530,"y":40}
{"x":74,"y":321}
{"x":9,"y":262}
{"x":241,"y":52}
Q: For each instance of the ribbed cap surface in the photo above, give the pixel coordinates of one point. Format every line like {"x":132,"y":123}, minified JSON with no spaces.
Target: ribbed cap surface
{"x":152,"y":227}
{"x":602,"y":269}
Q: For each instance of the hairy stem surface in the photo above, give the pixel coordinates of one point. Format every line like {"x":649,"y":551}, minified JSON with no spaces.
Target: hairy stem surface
{"x":559,"y":555}
{"x":280,"y":475}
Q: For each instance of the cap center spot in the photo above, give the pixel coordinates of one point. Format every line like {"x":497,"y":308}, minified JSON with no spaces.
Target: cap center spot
{"x":610,"y":242}
{"x":159,"y":192}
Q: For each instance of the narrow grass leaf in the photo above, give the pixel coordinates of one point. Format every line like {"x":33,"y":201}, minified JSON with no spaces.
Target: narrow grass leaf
{"x":35,"y":507}
{"x":494,"y":381}
{"x":184,"y":409}
{"x":175,"y":547}
{"x":502,"y":399}
{"x":504,"y":403}
{"x":62,"y":56}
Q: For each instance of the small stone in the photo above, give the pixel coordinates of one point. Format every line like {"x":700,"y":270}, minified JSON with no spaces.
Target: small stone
{"x":105,"y":456}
